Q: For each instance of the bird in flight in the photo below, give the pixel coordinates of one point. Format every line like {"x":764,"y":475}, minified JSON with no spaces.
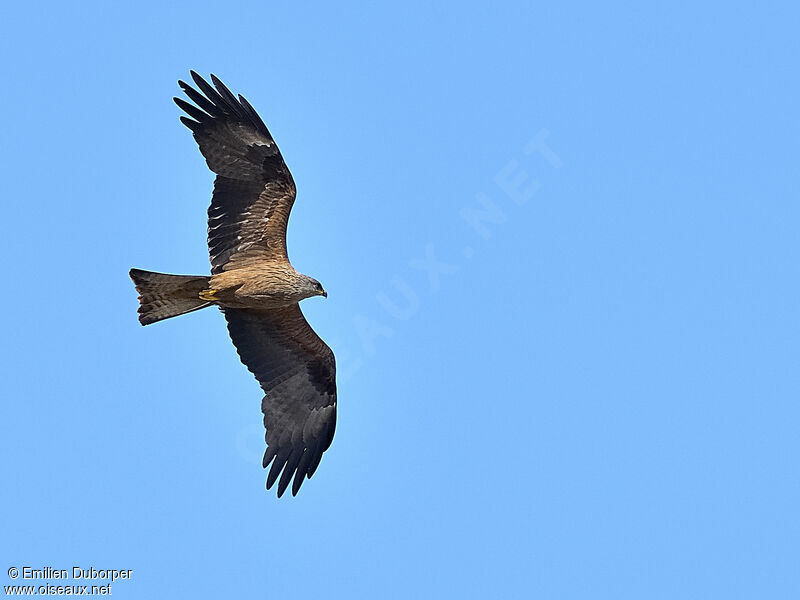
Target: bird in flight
{"x":253,"y":282}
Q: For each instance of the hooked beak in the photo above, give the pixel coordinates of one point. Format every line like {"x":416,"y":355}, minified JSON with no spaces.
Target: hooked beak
{"x":324,"y":294}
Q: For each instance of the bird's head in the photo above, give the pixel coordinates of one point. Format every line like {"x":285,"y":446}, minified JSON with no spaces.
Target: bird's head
{"x":312,"y":287}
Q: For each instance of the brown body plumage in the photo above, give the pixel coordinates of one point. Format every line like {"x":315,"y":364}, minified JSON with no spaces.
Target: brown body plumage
{"x":253,"y":282}
{"x":271,"y":284}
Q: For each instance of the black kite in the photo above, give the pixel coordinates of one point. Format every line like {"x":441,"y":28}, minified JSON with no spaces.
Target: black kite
{"x":253,"y":282}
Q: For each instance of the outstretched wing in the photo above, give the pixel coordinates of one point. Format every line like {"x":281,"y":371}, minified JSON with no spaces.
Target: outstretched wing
{"x":253,"y":191}
{"x":297,"y":371}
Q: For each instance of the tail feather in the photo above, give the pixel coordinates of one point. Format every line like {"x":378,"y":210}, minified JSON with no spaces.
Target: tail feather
{"x":162,"y":296}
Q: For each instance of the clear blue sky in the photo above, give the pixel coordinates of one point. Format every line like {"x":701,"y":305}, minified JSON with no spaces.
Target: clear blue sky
{"x":594,"y":393}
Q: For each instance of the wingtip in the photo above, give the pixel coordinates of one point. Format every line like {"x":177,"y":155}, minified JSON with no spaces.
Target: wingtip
{"x":218,"y":84}
{"x":274,"y":471}
{"x":299,"y":477}
{"x":198,"y":79}
{"x":189,"y":123}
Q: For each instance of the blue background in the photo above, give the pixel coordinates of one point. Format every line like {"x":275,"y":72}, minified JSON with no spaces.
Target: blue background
{"x":597,"y":397}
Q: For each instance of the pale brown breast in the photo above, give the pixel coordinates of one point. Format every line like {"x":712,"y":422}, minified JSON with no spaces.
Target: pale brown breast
{"x":265,"y":285}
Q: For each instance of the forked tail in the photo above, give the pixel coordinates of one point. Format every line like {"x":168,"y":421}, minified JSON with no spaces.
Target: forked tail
{"x":163,"y":296}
